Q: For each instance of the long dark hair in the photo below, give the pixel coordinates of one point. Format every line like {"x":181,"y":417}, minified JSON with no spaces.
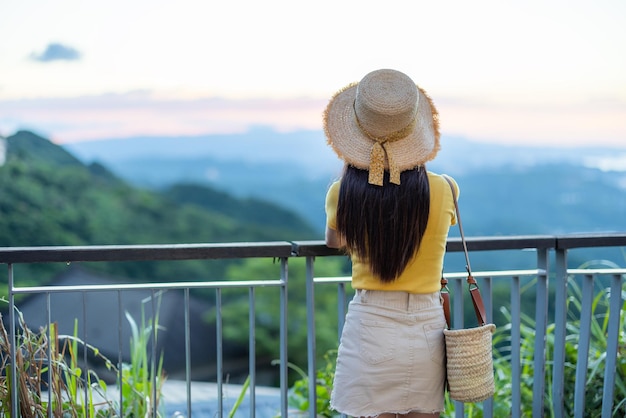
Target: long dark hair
{"x":384,"y":225}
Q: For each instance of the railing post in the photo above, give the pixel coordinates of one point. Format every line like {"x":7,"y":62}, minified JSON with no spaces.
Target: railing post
{"x":85,"y":353}
{"x":15,"y":400}
{"x":120,"y":373}
{"x":187,"y":352}
{"x":284,"y":383}
{"x":341,"y":309}
{"x":488,"y":298}
{"x":153,"y":360}
{"x":541,"y":321}
{"x":51,"y":341}
{"x":311,"y":347}
{"x":458,"y":322}
{"x":252,"y":349}
{"x":582,"y":360}
{"x":516,"y":368}
{"x":219,"y":352}
{"x":612,"y":345}
{"x":560,"y":318}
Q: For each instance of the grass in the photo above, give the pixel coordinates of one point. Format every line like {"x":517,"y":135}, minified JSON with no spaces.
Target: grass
{"x":48,"y":362}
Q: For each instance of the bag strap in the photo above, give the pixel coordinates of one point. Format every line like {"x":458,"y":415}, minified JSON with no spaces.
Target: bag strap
{"x":477,"y":300}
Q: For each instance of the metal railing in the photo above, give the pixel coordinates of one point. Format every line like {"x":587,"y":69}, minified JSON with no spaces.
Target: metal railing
{"x":549,"y":280}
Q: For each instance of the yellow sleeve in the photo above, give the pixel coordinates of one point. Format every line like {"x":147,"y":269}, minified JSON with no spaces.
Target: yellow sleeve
{"x":332,"y":197}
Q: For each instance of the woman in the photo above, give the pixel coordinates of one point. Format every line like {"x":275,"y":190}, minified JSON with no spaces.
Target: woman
{"x":392,"y":216}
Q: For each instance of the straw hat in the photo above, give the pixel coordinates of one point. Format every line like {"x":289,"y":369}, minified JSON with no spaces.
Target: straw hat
{"x":384,"y":122}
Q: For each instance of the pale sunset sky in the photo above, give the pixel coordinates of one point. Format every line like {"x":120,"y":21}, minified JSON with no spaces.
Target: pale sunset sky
{"x":513,"y":72}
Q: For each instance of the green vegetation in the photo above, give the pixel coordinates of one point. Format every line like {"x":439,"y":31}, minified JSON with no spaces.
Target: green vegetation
{"x":74,"y":390}
{"x":142,"y":380}
{"x":299,"y":392}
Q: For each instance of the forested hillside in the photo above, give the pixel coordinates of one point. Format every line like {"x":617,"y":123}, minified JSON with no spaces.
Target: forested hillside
{"x":51,"y":198}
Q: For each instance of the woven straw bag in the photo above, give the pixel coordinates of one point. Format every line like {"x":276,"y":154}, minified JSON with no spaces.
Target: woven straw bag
{"x":469,"y":351}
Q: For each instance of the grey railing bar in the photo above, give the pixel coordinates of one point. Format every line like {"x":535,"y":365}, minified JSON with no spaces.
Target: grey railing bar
{"x":338,"y":279}
{"x":85,"y":345}
{"x":560,"y":321}
{"x":597,"y":271}
{"x":582,"y":359}
{"x":148,"y":286}
{"x":487,"y":293}
{"x":493,"y":274}
{"x":541,"y":321}
{"x":498,"y":273}
{"x":538,"y":242}
{"x":120,"y":375}
{"x":12,"y":331}
{"x":460,"y":275}
{"x":220,"y":365}
{"x":66,"y":254}
{"x":341,"y":308}
{"x":590,"y":240}
{"x":153,"y":361}
{"x":50,"y":360}
{"x":516,"y":349}
{"x":318,"y":248}
{"x":457,"y":322}
{"x":612,"y":345}
{"x":187,"y":352}
{"x":252,"y":349}
{"x":311,"y":346}
{"x":284,"y":383}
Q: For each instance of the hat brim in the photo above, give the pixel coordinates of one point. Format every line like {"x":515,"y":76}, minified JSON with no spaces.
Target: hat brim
{"x":353,"y":146}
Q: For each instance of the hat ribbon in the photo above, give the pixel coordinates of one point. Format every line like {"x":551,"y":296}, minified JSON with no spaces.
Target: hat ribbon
{"x":377,"y":165}
{"x":379,"y":150}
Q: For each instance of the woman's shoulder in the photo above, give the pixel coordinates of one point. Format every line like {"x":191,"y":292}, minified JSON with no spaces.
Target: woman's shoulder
{"x":334,"y":186}
{"x":333,"y":190}
{"x":440,"y":177}
{"x":441,"y":180}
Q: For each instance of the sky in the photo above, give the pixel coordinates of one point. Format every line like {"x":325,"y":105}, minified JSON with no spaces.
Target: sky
{"x":546,"y":73}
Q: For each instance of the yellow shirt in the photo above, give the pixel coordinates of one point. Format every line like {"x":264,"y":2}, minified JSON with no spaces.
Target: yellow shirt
{"x":423,"y":273}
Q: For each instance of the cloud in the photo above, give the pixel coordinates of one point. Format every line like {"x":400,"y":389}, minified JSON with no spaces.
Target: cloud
{"x":141,"y":113}
{"x":57,"y":52}
{"x":144,"y":113}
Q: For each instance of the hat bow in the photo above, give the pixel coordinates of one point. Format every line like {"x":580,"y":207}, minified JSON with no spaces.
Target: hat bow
{"x":379,"y":152}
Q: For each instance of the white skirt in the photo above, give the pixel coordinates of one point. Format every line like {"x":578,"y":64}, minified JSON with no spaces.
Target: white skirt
{"x":391,"y":357}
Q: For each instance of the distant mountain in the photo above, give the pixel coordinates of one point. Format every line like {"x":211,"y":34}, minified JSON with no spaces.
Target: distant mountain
{"x":34,"y":149}
{"x":307,"y":152}
{"x":505,"y":189}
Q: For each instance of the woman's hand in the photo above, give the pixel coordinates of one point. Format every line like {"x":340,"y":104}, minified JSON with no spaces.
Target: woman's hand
{"x":333,"y":239}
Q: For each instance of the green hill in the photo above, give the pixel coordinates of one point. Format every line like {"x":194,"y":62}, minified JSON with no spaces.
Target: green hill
{"x":50,"y":198}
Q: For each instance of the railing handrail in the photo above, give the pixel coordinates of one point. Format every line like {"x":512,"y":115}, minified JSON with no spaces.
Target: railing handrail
{"x":164,"y":252}
{"x":87,"y":253}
